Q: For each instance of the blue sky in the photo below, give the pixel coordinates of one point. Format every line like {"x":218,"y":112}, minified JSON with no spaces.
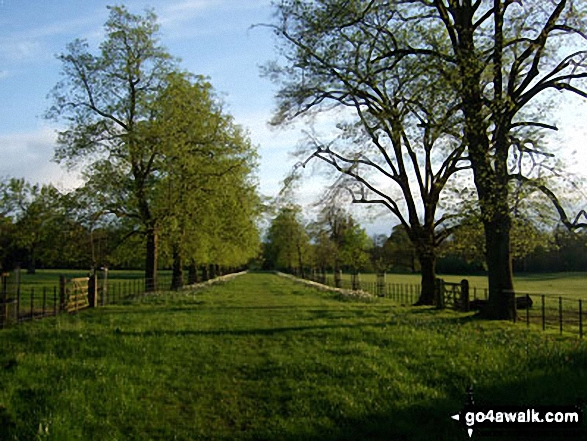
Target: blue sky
{"x":212,"y":37}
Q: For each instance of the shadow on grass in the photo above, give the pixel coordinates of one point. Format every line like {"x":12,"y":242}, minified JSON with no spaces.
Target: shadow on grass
{"x":244,"y":332}
{"x":160,"y":308}
{"x":431,"y":419}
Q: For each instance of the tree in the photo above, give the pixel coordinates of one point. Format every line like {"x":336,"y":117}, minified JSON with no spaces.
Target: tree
{"x":206,"y":197}
{"x":339,"y":240}
{"x":399,"y":250}
{"x":507,"y":61}
{"x":38,"y":225}
{"x":105,"y":100}
{"x":402,"y":144}
{"x":500,"y":61}
{"x":288,"y":244}
{"x":355,"y":246}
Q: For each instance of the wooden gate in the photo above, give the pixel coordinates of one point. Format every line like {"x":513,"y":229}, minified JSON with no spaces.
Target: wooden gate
{"x":74,"y":293}
{"x":452,"y":295}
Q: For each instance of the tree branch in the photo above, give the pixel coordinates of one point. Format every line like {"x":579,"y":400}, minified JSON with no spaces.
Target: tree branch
{"x":575,"y":224}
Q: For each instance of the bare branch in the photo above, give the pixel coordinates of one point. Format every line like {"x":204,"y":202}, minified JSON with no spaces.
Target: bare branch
{"x":571,"y":225}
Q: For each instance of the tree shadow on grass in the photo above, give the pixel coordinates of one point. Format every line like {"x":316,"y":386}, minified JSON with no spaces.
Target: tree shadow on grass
{"x":431,"y":419}
{"x":241,"y":332}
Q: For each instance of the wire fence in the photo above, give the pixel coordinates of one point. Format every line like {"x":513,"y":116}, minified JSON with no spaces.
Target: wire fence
{"x":554,"y":312}
{"x":20,"y":303}
{"x":547,"y":311}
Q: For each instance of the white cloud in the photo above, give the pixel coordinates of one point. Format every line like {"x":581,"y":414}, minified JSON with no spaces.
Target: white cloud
{"x":15,"y":50}
{"x":28,"y":155}
{"x":33,"y":44}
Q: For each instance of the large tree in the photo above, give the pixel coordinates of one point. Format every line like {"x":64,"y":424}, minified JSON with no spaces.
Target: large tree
{"x":104,"y":99}
{"x":206,"y":197}
{"x":499,"y":60}
{"x":510,"y":56}
{"x":338,"y":240}
{"x":400,"y":145}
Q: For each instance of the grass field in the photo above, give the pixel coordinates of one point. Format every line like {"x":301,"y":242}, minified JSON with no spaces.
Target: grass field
{"x":49,"y":278}
{"x":569,"y":285}
{"x":263,"y":358}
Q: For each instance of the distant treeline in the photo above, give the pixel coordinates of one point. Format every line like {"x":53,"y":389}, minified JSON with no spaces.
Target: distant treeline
{"x":336,"y":241}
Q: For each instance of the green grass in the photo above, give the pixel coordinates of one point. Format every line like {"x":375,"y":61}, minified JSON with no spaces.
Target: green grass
{"x":263,"y":358}
{"x":571,"y":285}
{"x":43,"y":286}
{"x":50,"y":277}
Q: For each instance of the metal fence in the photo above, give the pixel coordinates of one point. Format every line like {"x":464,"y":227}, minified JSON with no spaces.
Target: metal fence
{"x":548,"y":311}
{"x":19,"y":303}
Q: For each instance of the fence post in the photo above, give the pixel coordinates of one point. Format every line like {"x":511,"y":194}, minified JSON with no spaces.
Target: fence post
{"x":62,"y":293}
{"x":380,"y":284}
{"x":580,"y":318}
{"x":337,"y":278}
{"x":103,"y":297}
{"x":92,"y":290}
{"x":511,"y":297}
{"x":4,"y":300}
{"x":439,"y":293}
{"x":17,"y":276}
{"x":355,"y":280}
{"x":543,"y":314}
{"x":465,"y":295}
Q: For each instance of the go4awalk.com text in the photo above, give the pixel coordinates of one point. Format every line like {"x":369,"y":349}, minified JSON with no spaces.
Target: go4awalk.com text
{"x":564,"y":421}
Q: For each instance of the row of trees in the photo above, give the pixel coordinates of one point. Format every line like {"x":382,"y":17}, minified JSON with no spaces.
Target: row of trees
{"x":434,"y":95}
{"x":159,"y":156}
{"x":335,"y":241}
{"x":332,"y":242}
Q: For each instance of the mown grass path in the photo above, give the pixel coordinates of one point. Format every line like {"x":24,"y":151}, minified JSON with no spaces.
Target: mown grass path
{"x":263,"y":358}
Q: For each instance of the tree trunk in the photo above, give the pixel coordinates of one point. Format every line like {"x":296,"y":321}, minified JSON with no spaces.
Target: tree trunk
{"x":177,"y":269}
{"x":192,"y":273}
{"x":500,"y":273}
{"x":301,"y":262}
{"x":151,"y":261}
{"x":490,"y":172}
{"x":427,"y":260}
{"x":337,"y":278}
{"x":32,"y":266}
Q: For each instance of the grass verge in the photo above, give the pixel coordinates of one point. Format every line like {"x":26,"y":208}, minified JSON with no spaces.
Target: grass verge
{"x":262,"y":358}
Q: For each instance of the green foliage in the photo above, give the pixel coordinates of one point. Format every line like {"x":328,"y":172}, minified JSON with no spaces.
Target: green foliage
{"x":448,"y":77}
{"x":207,"y":197}
{"x":287,"y":243}
{"x":158,"y":151}
{"x":38,"y":228}
{"x":339,"y":240}
{"x":355,"y":245}
{"x":399,"y":253}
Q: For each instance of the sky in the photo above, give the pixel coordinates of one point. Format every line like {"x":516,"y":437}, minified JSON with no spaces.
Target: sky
{"x":214,"y":38}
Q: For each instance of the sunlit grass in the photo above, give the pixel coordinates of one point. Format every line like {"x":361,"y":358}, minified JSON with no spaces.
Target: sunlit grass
{"x":569,"y":285}
{"x":263,"y":358}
